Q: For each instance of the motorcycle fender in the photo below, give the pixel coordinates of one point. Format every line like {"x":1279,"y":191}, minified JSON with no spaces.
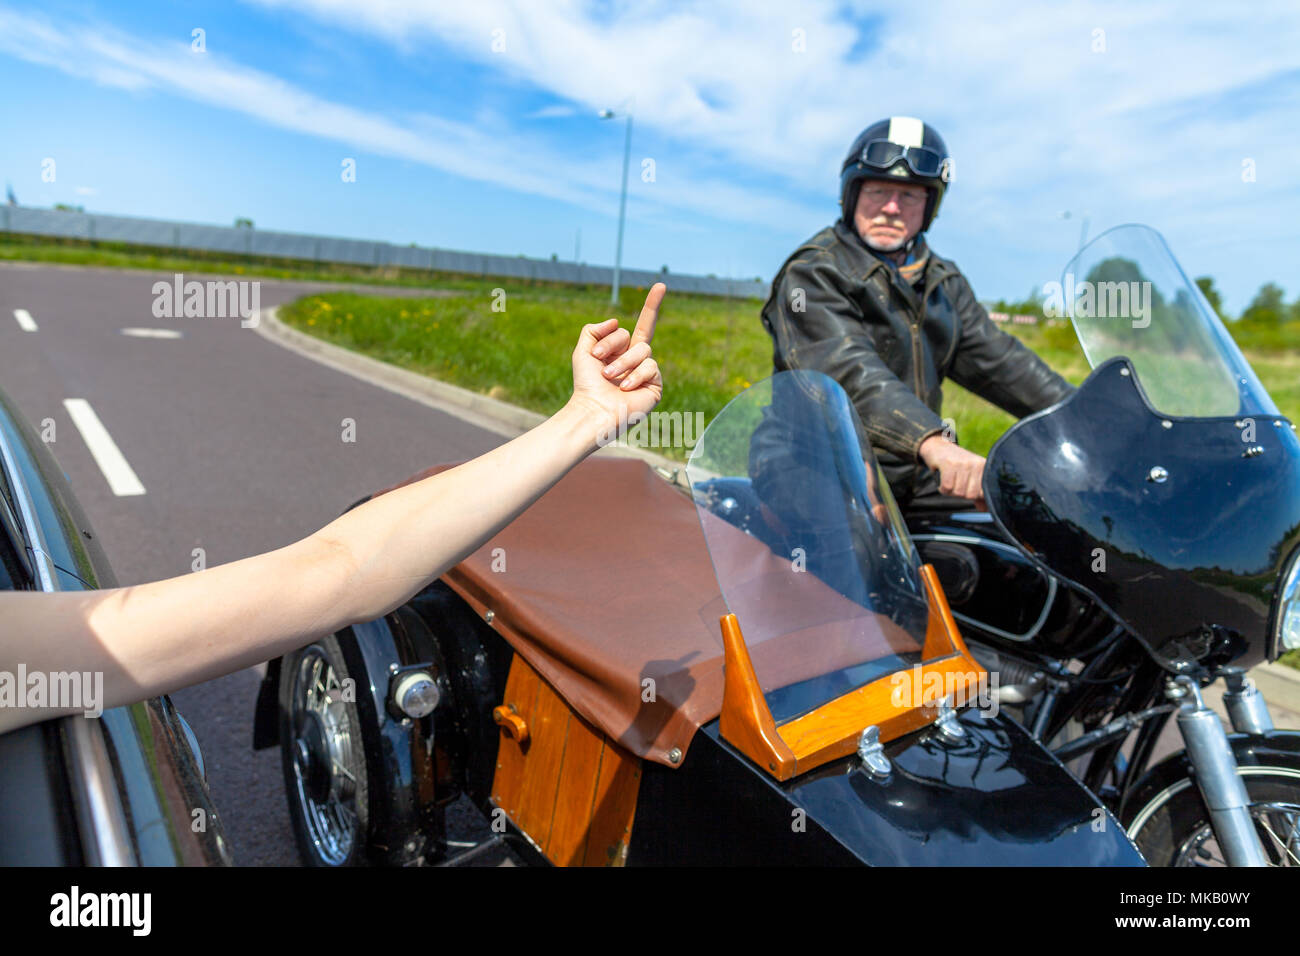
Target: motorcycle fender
{"x":404,"y":819}
{"x":1251,"y":750}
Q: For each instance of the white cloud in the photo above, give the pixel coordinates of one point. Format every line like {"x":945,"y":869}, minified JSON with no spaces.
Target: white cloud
{"x":471,"y":150}
{"x":558,"y":111}
{"x":1021,"y":80}
{"x":1123,"y":110}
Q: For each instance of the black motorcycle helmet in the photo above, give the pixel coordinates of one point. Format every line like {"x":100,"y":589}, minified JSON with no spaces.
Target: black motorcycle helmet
{"x":898,"y":148}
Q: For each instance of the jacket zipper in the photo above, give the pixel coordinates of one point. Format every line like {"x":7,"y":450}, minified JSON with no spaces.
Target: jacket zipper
{"x":929,"y":287}
{"x":916,"y":358}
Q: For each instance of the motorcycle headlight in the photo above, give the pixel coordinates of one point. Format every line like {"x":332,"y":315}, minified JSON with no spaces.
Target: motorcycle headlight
{"x":1286,"y":635}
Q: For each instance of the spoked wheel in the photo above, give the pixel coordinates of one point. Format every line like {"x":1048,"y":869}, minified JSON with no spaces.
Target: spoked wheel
{"x":1174,"y":828}
{"x":322,"y":756}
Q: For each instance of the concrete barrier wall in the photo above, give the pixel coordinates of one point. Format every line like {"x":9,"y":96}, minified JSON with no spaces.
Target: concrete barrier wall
{"x":289,"y":245}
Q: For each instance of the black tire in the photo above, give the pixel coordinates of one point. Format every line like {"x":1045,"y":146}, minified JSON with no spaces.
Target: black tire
{"x":323,"y":757}
{"x":1173,"y":824}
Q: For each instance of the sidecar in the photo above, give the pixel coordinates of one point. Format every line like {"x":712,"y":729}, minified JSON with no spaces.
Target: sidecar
{"x":749,"y":666}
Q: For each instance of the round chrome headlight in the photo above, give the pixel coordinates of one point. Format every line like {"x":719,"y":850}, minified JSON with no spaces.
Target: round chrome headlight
{"x":1286,"y":634}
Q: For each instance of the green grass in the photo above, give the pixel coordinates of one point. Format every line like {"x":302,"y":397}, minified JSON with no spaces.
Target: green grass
{"x":709,"y":348}
{"x":705,"y":346}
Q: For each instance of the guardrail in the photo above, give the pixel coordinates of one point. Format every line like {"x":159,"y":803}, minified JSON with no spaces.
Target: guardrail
{"x":161,"y":233}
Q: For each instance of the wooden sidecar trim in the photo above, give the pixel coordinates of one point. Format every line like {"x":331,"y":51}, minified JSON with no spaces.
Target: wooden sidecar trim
{"x":831,"y":731}
{"x":941,"y":634}
{"x":746,"y":721}
{"x":569,"y":788}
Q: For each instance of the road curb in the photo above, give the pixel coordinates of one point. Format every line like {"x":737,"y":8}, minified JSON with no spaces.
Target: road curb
{"x":1279,"y":684}
{"x":492,"y":414}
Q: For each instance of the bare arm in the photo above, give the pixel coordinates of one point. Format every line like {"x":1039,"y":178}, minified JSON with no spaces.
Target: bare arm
{"x":158,"y":637}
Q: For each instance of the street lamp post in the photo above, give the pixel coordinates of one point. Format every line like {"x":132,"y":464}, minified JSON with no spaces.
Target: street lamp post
{"x":622,"y":201}
{"x":1083,"y":229}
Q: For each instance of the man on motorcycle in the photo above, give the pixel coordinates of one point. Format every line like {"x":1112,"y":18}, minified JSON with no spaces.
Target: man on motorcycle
{"x":866,"y":302}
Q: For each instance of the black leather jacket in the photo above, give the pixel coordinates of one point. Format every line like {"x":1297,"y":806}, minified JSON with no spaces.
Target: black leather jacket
{"x":839,"y":309}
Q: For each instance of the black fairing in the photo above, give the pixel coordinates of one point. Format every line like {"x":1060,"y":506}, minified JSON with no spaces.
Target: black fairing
{"x":1191,"y":562}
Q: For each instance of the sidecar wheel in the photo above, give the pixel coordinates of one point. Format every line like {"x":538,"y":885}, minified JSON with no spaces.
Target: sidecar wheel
{"x":323,"y":758}
{"x":1174,"y":828}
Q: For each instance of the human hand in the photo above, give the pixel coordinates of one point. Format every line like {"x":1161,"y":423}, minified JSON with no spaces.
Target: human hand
{"x":961,"y":472}
{"x":614,"y":375}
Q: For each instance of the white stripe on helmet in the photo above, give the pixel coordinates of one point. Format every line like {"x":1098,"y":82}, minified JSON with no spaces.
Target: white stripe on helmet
{"x":906,"y":130}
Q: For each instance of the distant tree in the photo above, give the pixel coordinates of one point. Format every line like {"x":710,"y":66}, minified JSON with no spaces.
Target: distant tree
{"x":1267,"y":307}
{"x":1212,"y":296}
{"x":243,"y":223}
{"x":64,"y":207}
{"x":1030,"y":306}
{"x":554,"y":257}
{"x":664,"y":270}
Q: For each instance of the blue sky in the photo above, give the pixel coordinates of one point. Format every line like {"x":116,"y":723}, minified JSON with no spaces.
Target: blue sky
{"x":474,"y":125}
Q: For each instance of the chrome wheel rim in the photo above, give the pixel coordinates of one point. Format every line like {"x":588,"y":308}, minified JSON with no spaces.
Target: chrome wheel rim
{"x":1278,"y":826}
{"x":321,"y":745}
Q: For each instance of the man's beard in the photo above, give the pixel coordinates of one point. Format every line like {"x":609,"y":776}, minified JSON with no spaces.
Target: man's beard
{"x":879,"y":246}
{"x":886,"y":245}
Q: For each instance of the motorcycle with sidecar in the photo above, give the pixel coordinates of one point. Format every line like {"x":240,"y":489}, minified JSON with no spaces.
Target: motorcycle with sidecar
{"x":768,"y":666}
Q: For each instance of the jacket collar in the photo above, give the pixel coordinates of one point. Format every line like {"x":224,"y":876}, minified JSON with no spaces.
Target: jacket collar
{"x":936,"y":270}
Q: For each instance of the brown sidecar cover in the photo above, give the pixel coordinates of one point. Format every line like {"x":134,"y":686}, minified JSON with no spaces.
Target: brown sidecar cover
{"x":608,"y":582}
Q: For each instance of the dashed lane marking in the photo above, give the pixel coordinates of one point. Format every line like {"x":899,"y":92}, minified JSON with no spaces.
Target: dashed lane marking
{"x":121,"y":479}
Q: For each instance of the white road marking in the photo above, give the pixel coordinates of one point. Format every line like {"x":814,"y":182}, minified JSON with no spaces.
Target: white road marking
{"x":25,"y":320}
{"x":121,"y":479}
{"x":153,"y":333}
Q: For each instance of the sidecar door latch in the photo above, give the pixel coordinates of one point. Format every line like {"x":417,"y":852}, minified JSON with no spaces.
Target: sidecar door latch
{"x":947,"y":723}
{"x":872,"y":752}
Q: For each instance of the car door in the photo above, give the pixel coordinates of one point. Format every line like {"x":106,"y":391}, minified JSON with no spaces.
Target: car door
{"x":121,"y":789}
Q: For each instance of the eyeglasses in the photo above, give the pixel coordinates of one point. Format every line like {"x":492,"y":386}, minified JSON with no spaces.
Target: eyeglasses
{"x":922,"y":160}
{"x":879,"y":195}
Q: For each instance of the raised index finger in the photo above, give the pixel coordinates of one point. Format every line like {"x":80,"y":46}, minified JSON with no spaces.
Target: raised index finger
{"x":645,"y":324}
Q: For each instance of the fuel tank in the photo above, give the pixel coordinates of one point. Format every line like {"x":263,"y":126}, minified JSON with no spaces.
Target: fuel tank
{"x":1002,"y":597}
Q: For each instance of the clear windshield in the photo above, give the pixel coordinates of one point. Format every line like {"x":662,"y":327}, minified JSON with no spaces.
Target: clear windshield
{"x":1127,"y":295}
{"x":808,"y":546}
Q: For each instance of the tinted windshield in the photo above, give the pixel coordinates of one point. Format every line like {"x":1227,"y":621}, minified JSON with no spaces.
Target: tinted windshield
{"x":1127,"y":295}
{"x":810,"y":552}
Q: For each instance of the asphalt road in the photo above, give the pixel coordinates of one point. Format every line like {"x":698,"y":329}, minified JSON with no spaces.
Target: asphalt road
{"x":238,"y":444}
